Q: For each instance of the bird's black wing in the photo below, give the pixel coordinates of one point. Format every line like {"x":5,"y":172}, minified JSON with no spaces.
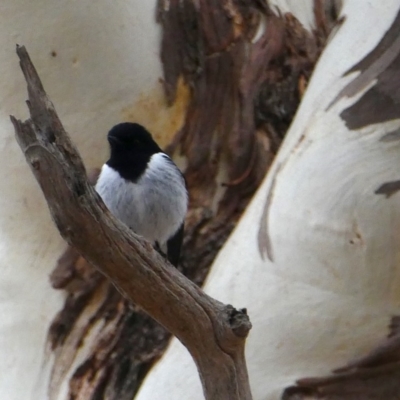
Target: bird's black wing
{"x":174,"y":246}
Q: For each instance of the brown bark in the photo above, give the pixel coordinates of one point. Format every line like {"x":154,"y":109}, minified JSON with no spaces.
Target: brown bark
{"x":373,"y":377}
{"x":213,"y":333}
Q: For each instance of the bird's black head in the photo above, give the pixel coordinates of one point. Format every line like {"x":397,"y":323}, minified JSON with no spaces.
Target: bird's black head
{"x":133,"y":138}
{"x":131,"y":149}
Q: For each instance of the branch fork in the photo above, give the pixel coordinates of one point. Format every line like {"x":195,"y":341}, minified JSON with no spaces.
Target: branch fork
{"x":213,"y":333}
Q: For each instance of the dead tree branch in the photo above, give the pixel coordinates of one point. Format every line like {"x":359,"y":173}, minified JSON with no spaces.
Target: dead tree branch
{"x":213,"y":333}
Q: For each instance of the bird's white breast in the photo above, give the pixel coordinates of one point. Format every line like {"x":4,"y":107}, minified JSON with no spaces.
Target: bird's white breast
{"x":153,"y":207}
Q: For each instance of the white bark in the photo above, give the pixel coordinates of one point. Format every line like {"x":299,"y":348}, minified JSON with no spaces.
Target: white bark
{"x":105,"y":69}
{"x":333,"y":284}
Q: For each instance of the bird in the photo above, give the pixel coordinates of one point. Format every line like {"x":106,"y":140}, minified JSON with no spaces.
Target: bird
{"x":143,"y":188}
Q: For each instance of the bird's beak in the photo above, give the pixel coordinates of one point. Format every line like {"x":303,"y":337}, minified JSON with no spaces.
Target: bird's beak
{"x":113,"y":140}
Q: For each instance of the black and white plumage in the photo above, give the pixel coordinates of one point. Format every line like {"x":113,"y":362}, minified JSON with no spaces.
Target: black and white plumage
{"x":143,"y":187}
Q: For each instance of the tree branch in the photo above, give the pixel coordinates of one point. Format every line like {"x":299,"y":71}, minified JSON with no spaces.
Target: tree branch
{"x":213,"y":333}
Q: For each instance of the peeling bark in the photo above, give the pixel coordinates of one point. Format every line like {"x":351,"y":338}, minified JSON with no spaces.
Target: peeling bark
{"x":380,"y":103}
{"x":388,"y":188}
{"x":373,"y":377}
{"x":124,"y":349}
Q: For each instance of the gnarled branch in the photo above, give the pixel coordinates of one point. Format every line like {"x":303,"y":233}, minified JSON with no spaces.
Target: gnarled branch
{"x":213,"y":333}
